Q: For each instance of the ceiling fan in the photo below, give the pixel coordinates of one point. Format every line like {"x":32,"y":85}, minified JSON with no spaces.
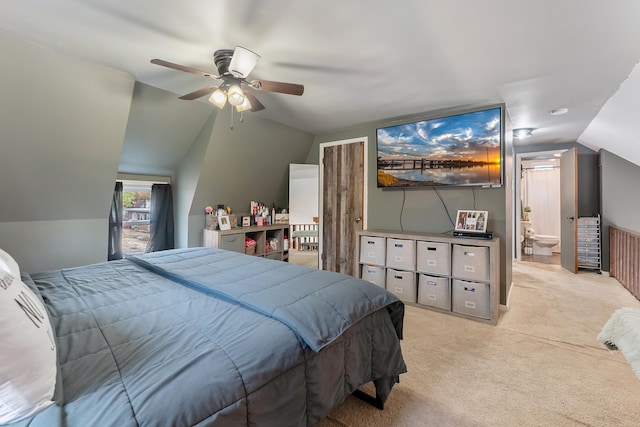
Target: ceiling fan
{"x":234,"y":65}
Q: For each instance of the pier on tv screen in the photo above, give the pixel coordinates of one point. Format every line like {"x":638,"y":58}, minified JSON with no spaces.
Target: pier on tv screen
{"x":455,"y":150}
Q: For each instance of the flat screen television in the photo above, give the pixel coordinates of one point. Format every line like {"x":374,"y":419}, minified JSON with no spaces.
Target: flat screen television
{"x":462,"y":149}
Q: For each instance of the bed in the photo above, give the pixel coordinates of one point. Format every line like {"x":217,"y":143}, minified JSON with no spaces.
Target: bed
{"x":204,"y":337}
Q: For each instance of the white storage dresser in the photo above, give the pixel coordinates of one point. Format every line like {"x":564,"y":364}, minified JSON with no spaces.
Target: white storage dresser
{"x":453,"y":275}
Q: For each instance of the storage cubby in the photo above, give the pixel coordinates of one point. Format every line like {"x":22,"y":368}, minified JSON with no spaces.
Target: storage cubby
{"x":269,"y":240}
{"x":454,"y":275}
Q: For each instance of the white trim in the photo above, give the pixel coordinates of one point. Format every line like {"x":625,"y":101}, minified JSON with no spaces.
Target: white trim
{"x":365,"y":186}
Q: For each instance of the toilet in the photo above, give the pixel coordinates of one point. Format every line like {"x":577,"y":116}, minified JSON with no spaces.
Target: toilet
{"x":543,"y":243}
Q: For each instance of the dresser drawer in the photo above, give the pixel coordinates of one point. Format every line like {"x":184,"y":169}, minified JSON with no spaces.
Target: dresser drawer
{"x":232,"y":242}
{"x":471,"y":262}
{"x":433,"y":257}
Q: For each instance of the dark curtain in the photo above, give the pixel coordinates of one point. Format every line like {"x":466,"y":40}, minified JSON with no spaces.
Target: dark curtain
{"x":161,"y":221}
{"x":115,"y":224}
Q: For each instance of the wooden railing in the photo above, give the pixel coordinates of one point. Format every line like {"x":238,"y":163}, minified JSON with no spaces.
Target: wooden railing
{"x":624,"y":258}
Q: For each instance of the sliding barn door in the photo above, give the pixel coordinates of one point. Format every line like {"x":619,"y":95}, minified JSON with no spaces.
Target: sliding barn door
{"x":343,"y":186}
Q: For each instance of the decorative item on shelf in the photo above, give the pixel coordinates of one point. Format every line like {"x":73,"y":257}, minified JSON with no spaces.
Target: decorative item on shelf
{"x":223,"y":222}
{"x":282,"y":217}
{"x":249,"y":246}
{"x":260,"y":213}
{"x":210,"y":220}
{"x":527,"y":210}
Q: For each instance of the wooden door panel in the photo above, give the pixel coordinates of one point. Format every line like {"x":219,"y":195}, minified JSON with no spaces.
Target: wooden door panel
{"x":343,"y":187}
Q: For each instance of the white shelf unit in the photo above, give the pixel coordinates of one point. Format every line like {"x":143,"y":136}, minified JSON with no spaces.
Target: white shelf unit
{"x":453,"y":275}
{"x":269,"y":240}
{"x":589,"y":243}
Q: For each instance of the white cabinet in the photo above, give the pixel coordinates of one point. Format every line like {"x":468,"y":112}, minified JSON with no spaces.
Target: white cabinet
{"x":453,"y":275}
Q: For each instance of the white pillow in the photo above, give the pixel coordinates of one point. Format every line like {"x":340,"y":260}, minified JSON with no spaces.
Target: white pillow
{"x":7,"y":263}
{"x":27,"y":352}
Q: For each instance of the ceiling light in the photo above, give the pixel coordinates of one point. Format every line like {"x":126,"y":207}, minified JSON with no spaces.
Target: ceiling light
{"x":242,"y":62}
{"x":235,"y":96}
{"x":218,"y":98}
{"x":559,"y":111}
{"x":522,"y":133}
{"x":246,"y":105}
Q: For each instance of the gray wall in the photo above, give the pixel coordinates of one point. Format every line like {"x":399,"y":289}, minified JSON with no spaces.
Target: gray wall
{"x":421,"y":210}
{"x":62,"y":126}
{"x":184,"y":187}
{"x":249,"y":162}
{"x":66,"y":132}
{"x":620,"y":203}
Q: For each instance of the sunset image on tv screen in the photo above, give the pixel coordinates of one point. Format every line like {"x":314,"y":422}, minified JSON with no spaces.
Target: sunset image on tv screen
{"x":462,"y":149}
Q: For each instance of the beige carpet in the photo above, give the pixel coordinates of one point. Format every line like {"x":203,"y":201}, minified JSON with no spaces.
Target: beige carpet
{"x":540,"y":366}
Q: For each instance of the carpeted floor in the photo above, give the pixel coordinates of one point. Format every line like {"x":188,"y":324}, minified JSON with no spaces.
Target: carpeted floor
{"x":540,"y":366}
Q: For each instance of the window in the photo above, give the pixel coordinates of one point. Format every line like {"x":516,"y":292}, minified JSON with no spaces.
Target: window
{"x":136,"y":202}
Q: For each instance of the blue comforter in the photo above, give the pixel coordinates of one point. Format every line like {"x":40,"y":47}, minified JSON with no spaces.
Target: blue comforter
{"x":317,"y":305}
{"x":201,"y":337}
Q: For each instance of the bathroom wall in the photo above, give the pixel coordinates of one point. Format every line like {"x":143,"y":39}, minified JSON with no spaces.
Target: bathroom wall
{"x":540,"y":190}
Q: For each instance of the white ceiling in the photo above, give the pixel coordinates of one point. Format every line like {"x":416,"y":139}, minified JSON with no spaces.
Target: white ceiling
{"x":364,"y":60}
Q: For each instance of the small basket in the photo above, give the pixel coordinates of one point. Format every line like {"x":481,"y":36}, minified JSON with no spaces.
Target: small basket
{"x":250,"y":249}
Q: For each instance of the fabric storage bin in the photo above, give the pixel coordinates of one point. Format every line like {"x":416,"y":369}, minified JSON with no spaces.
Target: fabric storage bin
{"x":372,"y":250}
{"x":434,"y":291}
{"x":373,"y":274}
{"x":232,"y":242}
{"x":471,"y":298}
{"x":402,"y":284}
{"x":433,"y":257}
{"x":401,"y":253}
{"x":470,"y":262}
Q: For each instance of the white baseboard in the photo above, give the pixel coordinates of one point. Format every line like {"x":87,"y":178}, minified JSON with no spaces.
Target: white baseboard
{"x":505,"y":307}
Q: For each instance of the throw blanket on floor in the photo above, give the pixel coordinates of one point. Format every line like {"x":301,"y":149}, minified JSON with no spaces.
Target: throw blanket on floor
{"x":622,"y":332}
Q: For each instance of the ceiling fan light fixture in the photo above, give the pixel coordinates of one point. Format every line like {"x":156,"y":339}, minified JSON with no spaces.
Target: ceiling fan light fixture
{"x":235,"y":96}
{"x":242,"y":62}
{"x":246,"y":105}
{"x":218,"y":98}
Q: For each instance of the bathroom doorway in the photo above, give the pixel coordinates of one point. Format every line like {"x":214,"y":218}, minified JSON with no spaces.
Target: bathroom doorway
{"x":538,"y":207}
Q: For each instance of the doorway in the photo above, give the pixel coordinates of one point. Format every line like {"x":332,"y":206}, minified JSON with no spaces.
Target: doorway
{"x":343,"y":202}
{"x":538,"y":206}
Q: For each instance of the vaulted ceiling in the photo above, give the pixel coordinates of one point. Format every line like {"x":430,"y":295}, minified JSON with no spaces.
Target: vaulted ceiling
{"x":362,"y":61}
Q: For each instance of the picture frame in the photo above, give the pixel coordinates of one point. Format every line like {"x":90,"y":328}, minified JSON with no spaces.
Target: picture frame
{"x":472,"y":221}
{"x":246,"y":221}
{"x":223,"y":222}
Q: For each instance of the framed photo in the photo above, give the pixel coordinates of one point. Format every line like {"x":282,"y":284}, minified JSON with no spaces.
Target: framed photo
{"x":472,"y":221}
{"x":246,"y":221}
{"x":223,"y":222}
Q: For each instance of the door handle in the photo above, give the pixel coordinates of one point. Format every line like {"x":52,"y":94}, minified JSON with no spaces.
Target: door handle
{"x":358,"y":219}
{"x":571,"y":218}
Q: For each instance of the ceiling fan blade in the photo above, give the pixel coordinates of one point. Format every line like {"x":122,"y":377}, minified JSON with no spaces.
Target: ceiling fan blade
{"x":183,"y":68}
{"x":270,"y":86}
{"x":199,"y":93}
{"x":256,"y":105}
{"x":242,"y":62}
